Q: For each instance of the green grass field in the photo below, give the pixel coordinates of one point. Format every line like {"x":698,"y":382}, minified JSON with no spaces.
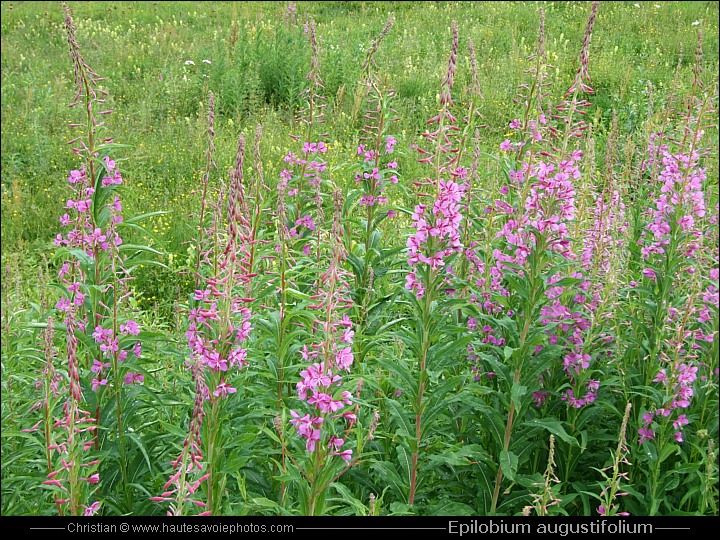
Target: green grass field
{"x":257,"y":71}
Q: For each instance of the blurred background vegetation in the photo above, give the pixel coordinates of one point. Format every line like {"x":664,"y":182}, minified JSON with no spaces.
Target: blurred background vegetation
{"x":161,"y":58}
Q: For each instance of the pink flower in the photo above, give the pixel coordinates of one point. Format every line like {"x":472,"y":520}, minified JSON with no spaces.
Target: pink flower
{"x":223,"y":389}
{"x":110,"y":347}
{"x":130,"y":327}
{"x":93,"y":479}
{"x":347,"y":336}
{"x":76,"y":177}
{"x":97,"y":383}
{"x":98,"y":366}
{"x":109,"y":164}
{"x":680,"y":422}
{"x":214,"y":361}
{"x":202,"y":295}
{"x":134,"y":378}
{"x":237,"y":357}
{"x":92,"y":509}
{"x":344,"y":358}
{"x":335,"y":443}
{"x":307,"y":221}
{"x":646,"y":434}
{"x":102,"y":335}
{"x":345,"y":454}
{"x":375,"y":174}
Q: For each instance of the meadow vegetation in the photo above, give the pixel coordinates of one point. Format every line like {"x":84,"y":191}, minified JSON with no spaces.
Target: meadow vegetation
{"x":360,"y":258}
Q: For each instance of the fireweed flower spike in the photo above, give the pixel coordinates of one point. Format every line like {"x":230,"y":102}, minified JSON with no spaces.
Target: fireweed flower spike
{"x":92,"y":231}
{"x":377,"y":167}
{"x":535,"y":240}
{"x":219,"y":324}
{"x":218,"y":327}
{"x":436,"y":239}
{"x":672,"y":239}
{"x":303,"y":172}
{"x":70,"y":447}
{"x":299,"y":187}
{"x":325,"y":420}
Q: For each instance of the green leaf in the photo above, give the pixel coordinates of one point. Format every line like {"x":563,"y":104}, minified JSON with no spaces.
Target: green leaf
{"x":451,"y":508}
{"x":668,"y":450}
{"x":516,"y":394}
{"x":141,"y":217}
{"x":465,"y":456}
{"x":134,"y":437}
{"x":398,"y":368}
{"x":508,"y":464}
{"x":138,"y":248}
{"x":388,"y":473}
{"x":347,"y":497}
{"x":554,"y":426}
{"x":404,"y":459}
{"x":400,"y":417}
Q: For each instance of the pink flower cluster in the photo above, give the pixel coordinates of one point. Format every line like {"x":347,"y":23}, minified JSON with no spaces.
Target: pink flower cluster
{"x":437,"y":235}
{"x":110,"y":347}
{"x":216,"y":351}
{"x":681,"y":201}
{"x":573,"y":325}
{"x":309,"y":168}
{"x":678,"y":385}
{"x":710,"y":297}
{"x":486,"y":289}
{"x":85,"y":234}
{"x":534,"y":131}
{"x":549,"y":206}
{"x":319,"y":384}
{"x":374,"y":176}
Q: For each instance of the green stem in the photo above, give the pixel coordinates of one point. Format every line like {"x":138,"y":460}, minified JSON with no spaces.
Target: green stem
{"x":213,"y":501}
{"x":506,"y":447}
{"x":425,"y":346}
